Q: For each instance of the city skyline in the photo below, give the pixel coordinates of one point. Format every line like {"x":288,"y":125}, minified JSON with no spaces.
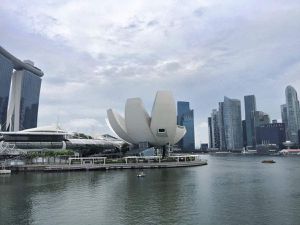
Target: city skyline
{"x":201,"y":52}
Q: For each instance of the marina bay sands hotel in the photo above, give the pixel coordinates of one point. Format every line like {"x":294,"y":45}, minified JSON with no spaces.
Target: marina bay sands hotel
{"x":20,"y":83}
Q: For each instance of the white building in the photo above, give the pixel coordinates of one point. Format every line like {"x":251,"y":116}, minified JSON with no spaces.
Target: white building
{"x":138,"y":127}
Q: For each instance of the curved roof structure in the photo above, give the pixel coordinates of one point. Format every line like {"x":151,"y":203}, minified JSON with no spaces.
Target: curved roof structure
{"x":137,"y":126}
{"x":19,"y":65}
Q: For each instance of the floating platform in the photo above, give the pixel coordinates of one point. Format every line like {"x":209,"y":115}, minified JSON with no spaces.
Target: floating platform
{"x":112,"y":166}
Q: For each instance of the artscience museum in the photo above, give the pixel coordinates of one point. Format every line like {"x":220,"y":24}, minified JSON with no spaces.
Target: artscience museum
{"x":139,"y":128}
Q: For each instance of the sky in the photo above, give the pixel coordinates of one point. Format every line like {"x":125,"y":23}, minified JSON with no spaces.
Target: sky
{"x":95,"y":54}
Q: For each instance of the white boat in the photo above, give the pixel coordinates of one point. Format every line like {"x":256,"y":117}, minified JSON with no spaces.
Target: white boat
{"x":141,"y":174}
{"x":4,"y":171}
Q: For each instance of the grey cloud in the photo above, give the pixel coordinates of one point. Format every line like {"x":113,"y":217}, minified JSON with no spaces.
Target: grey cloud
{"x":200,"y":52}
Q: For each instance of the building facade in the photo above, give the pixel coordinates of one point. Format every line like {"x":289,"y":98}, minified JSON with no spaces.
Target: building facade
{"x":233,"y":124}
{"x":244,"y":133}
{"x":293,"y":114}
{"x":139,"y":128}
{"x":260,"y":118}
{"x":23,"y":101}
{"x":6,"y":69}
{"x":272,"y":133}
{"x":209,"y":132}
{"x":215,"y":129}
{"x":223,"y":145}
{"x":185,"y":117}
{"x":250,"y":108}
{"x":20,"y":83}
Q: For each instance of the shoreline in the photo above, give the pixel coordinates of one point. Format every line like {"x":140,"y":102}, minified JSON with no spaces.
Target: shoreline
{"x":112,"y":166}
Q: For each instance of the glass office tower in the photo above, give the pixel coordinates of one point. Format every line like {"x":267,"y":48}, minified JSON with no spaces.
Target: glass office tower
{"x":233,"y":124}
{"x":223,"y":145}
{"x":250,"y":108}
{"x":284,"y":118}
{"x":215,"y":129}
{"x":23,"y":101}
{"x":185,"y":117}
{"x":6,"y":69}
{"x":210,"y":142}
{"x":19,"y":92}
{"x":293,"y":114}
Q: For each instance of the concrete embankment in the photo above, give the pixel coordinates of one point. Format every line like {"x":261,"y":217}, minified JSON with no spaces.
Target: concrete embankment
{"x":113,"y":166}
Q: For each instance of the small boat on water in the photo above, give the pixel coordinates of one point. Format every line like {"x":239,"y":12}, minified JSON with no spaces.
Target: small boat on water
{"x":141,"y":174}
{"x":268,"y":161}
{"x":3,"y":171}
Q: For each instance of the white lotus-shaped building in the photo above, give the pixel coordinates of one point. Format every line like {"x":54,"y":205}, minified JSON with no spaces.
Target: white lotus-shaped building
{"x":138,"y":127}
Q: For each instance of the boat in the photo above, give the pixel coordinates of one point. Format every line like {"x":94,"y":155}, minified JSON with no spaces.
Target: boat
{"x":3,"y":171}
{"x":141,"y":174}
{"x":268,"y":161}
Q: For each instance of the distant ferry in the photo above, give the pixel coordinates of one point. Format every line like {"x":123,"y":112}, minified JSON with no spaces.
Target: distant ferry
{"x":290,"y":152}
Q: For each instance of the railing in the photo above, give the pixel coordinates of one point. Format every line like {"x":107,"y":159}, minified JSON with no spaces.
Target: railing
{"x":9,"y":149}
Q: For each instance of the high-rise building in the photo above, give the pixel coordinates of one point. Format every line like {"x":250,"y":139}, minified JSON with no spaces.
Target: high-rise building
{"x":250,"y":108}
{"x":23,"y":100}
{"x":209,"y":132}
{"x":221,"y":127}
{"x":233,"y":124}
{"x":293,"y":114}
{"x":19,"y":92}
{"x":244,"y":133}
{"x":284,"y":118}
{"x":260,"y":118}
{"x":215,"y":129}
{"x":6,"y":69}
{"x":272,"y":133}
{"x":185,"y":117}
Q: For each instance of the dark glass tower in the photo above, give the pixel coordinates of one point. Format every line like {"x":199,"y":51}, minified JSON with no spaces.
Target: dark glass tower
{"x":23,"y":101}
{"x":250,"y":108}
{"x":284,"y":118}
{"x":19,"y":92}
{"x":210,"y":132}
{"x":6,"y":69}
{"x":185,"y":117}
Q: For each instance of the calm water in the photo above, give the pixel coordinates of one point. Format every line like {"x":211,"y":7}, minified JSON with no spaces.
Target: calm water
{"x":230,"y":190}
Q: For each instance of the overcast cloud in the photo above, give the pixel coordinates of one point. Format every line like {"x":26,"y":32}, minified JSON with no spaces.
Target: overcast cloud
{"x":96,"y":54}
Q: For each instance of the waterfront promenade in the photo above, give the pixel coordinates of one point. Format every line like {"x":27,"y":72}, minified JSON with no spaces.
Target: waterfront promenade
{"x":109,"y":166}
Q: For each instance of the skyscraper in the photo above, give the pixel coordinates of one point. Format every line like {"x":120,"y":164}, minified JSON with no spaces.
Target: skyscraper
{"x":6,"y":69}
{"x":260,"y":118}
{"x":185,"y":117}
{"x":23,"y":100}
{"x":221,"y":127}
{"x":284,"y":119}
{"x":293,"y":114}
{"x":244,"y":133}
{"x":19,"y":92}
{"x":215,"y":129}
{"x":250,"y":108}
{"x":209,"y":132}
{"x":233,"y":124}
{"x":272,"y":133}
